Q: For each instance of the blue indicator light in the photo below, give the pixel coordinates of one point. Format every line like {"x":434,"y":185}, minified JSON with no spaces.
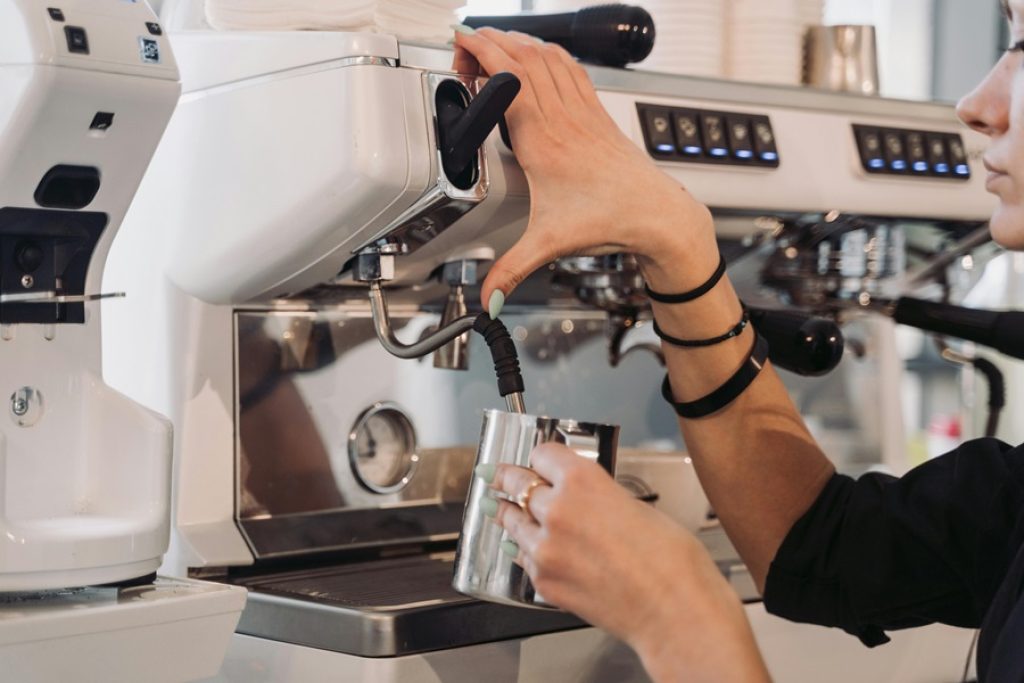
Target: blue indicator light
{"x":876,"y":163}
{"x":942,"y":168}
{"x":769,"y":156}
{"x":666,"y":149}
{"x":719,"y":152}
{"x":744,"y":154}
{"x":963,"y":169}
{"x":921,"y":166}
{"x":899,"y":165}
{"x":692,"y":149}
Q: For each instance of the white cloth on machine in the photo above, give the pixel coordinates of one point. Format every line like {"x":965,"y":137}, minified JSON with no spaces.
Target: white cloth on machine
{"x":417,"y":19}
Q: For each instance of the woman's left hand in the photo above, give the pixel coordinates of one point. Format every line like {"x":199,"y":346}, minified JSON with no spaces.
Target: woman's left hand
{"x":594,"y":550}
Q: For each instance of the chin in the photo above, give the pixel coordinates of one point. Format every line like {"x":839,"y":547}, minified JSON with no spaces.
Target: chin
{"x":1007,"y":227}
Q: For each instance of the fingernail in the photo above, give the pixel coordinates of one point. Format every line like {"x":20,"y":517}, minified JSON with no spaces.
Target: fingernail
{"x":463,"y":29}
{"x":489,"y":506}
{"x":450,"y":43}
{"x":496,"y":303}
{"x":486,"y":472}
{"x":510,"y":548}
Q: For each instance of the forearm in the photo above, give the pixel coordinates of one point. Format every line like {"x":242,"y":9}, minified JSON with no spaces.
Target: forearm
{"x":756,"y":460}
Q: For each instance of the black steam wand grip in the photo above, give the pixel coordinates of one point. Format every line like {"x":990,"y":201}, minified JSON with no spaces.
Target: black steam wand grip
{"x":798,"y":342}
{"x":504,"y":354}
{"x":1000,"y":330}
{"x":462,"y":136}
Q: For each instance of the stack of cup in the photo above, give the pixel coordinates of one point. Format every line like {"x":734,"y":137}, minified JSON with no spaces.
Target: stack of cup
{"x":689,"y":37}
{"x":765,"y":39}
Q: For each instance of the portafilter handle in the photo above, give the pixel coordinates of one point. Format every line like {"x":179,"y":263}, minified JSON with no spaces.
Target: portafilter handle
{"x":800,"y":343}
{"x":1000,"y":330}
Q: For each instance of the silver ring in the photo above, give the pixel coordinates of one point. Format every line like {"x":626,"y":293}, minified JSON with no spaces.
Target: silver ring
{"x":522,"y":499}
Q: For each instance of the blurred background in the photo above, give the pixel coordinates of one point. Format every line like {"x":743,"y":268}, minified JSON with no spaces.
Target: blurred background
{"x":927,"y":49}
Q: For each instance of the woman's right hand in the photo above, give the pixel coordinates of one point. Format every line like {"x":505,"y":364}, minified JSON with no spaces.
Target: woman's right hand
{"x":592,"y":190}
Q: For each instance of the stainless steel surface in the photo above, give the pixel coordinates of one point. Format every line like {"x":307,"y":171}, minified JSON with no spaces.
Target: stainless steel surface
{"x":842,"y":58}
{"x":376,"y":264}
{"x":515,"y":403}
{"x":482,"y":570}
{"x":428,"y":344}
{"x":385,"y":608}
{"x":455,"y":354}
{"x":55,"y":298}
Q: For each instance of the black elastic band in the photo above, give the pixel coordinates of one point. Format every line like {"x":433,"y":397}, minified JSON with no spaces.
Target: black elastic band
{"x":736,"y":331}
{"x":693,"y":293}
{"x":728,"y":392}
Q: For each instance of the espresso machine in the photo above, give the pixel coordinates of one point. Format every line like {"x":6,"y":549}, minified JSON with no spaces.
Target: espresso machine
{"x":312,"y":252}
{"x":86,"y":90}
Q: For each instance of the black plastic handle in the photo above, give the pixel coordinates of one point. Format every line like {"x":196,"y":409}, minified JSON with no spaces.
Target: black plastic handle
{"x":610,"y":35}
{"x":800,"y":343}
{"x":1000,"y":330}
{"x":462,"y":131}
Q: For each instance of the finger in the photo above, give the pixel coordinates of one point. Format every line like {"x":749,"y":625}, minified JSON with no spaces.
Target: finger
{"x":553,"y":462}
{"x":555,"y":58}
{"x":512,"y":480}
{"x":509,"y":271}
{"x":465,"y":63}
{"x":529,"y":52}
{"x":584,"y":86}
{"x":520,"y":527}
{"x":493,"y":59}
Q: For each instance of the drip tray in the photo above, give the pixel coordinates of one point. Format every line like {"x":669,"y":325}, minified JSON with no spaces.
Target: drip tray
{"x":384,"y":608}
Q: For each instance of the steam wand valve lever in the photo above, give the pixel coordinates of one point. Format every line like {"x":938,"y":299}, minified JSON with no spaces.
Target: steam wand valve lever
{"x":462,"y":130}
{"x":800,"y":343}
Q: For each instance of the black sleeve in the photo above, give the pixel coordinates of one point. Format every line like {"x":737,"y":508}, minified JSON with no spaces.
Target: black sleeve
{"x":884,"y":553}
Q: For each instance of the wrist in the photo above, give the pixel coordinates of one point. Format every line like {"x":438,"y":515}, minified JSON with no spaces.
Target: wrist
{"x":683,"y":252}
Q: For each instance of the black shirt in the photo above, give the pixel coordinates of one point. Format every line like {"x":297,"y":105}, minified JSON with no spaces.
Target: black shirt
{"x":941,"y":544}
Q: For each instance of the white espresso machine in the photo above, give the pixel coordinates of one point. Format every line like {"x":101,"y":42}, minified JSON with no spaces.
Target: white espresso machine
{"x":86,"y":90}
{"x":327,"y":476}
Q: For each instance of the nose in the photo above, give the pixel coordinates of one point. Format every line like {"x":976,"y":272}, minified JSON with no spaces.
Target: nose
{"x":987,"y":108}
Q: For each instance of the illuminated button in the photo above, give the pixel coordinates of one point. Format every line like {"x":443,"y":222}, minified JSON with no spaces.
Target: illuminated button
{"x":958,"y":156}
{"x":869,"y":142}
{"x":687,"y":126}
{"x":937,"y":155}
{"x":658,"y":131}
{"x":740,"y":137}
{"x":764,"y":141}
{"x":894,"y":151}
{"x":713,"y":127}
{"x":917,"y":155}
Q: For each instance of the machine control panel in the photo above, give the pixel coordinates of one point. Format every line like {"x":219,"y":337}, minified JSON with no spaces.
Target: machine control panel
{"x":675,"y":134}
{"x":894,"y":151}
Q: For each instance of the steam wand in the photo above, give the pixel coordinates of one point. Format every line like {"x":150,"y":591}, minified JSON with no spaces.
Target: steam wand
{"x":494,"y":332}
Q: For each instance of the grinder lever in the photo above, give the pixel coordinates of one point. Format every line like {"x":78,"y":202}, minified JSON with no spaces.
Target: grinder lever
{"x":462,"y":129}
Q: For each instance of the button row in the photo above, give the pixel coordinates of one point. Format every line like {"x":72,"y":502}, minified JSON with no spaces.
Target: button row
{"x":708,"y":136}
{"x":912,"y":152}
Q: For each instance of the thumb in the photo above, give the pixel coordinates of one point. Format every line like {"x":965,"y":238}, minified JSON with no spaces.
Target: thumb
{"x":509,"y":271}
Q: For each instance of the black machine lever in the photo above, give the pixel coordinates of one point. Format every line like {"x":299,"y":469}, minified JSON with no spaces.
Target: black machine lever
{"x":462,"y":129}
{"x":798,"y":342}
{"x":1000,"y":330}
{"x":609,"y":35}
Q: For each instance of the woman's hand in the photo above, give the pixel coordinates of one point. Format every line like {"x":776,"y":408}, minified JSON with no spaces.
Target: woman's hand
{"x":592,"y":190}
{"x":596,"y":551}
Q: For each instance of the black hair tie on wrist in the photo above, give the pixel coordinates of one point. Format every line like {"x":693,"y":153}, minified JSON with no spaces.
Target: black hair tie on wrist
{"x":728,"y":392}
{"x":693,"y":294}
{"x":736,"y":331}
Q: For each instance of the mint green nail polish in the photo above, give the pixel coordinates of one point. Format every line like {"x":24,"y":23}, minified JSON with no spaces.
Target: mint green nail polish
{"x":489,"y":506}
{"x":463,"y":29}
{"x":510,"y":548}
{"x":496,"y":303}
{"x":486,"y":472}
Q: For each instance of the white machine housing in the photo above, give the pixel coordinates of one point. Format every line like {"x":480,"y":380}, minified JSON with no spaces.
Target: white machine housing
{"x":85,"y":483}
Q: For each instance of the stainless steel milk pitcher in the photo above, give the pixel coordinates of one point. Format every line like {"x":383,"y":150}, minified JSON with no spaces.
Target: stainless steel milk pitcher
{"x":482,"y":570}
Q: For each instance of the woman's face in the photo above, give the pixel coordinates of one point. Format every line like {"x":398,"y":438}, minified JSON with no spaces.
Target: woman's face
{"x":996,"y":108}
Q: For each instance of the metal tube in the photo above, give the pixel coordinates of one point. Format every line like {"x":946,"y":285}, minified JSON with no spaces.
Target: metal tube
{"x":515,"y":403}
{"x":427,"y":345}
